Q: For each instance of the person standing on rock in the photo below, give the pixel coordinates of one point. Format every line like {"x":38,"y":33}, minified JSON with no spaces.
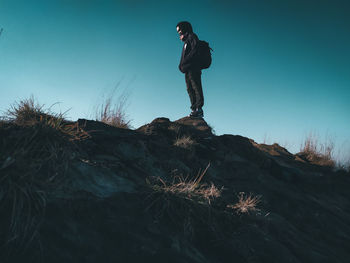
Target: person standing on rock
{"x":190,"y":67}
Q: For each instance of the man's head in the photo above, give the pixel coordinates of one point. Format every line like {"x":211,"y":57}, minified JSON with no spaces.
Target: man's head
{"x":184,"y":28}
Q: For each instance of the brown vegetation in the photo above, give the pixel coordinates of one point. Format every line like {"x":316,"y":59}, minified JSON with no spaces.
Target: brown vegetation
{"x":246,"y":203}
{"x":34,"y":157}
{"x":76,"y":191}
{"x":189,"y":189}
{"x":113,"y":113}
{"x":30,"y":112}
{"x":184,"y":141}
{"x":317,"y":152}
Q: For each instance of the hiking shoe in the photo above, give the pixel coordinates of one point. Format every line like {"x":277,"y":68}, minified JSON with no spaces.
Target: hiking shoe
{"x":193,"y":113}
{"x":198,"y":113}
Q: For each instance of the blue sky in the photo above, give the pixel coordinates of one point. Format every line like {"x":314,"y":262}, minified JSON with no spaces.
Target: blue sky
{"x":280,"y":68}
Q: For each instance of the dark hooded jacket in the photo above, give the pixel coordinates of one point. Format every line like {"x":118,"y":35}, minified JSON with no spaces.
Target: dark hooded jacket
{"x":189,"y":51}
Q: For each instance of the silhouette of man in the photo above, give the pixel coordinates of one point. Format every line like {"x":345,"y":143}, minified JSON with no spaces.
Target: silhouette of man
{"x":189,"y":66}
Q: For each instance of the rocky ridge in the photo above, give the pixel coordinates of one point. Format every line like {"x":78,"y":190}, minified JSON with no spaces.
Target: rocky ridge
{"x":107,"y":201}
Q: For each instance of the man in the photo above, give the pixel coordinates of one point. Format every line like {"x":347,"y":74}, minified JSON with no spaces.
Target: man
{"x":189,"y":66}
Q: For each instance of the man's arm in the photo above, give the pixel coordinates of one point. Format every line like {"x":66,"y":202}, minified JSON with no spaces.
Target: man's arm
{"x":193,"y":41}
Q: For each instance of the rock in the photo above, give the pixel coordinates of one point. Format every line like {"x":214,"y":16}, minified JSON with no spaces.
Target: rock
{"x":121,"y":195}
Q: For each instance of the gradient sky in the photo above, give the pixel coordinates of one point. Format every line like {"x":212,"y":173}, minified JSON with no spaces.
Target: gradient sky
{"x":281,"y":69}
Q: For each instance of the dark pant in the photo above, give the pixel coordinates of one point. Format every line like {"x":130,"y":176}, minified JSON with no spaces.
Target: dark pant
{"x":194,"y":88}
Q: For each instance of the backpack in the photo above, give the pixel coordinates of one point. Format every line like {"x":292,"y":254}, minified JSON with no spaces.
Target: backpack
{"x":204,"y":54}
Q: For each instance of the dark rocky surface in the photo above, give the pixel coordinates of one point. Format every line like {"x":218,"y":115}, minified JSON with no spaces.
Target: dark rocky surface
{"x":96,"y":204}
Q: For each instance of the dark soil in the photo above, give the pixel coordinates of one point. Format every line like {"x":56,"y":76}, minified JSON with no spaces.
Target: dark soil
{"x":87,"y":197}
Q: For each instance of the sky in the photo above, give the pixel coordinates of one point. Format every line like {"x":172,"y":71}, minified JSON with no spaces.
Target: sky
{"x":281,"y":69}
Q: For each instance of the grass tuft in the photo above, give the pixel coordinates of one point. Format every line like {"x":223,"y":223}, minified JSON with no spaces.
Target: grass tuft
{"x":185,"y":142}
{"x":188,"y":189}
{"x":186,"y":203}
{"x":318,"y":152}
{"x":113,"y":113}
{"x":35,"y":151}
{"x":30,"y":112}
{"x":26,"y":110}
{"x":246,"y":203}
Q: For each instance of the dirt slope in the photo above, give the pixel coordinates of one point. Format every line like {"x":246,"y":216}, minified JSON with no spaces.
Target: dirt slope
{"x":102,"y":194}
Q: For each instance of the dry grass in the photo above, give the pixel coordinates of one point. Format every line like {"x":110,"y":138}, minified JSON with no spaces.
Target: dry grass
{"x":35,"y":151}
{"x":185,"y":203}
{"x":188,"y":189}
{"x":114,"y":113}
{"x":318,"y":152}
{"x":246,"y":203}
{"x":30,"y":112}
{"x":26,"y":110}
{"x":185,"y":142}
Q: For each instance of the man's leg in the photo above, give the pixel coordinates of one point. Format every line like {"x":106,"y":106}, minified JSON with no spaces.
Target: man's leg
{"x":196,"y":84}
{"x":190,"y":91}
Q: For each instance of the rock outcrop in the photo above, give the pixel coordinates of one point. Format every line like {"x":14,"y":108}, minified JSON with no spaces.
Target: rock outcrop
{"x":110,"y":196}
